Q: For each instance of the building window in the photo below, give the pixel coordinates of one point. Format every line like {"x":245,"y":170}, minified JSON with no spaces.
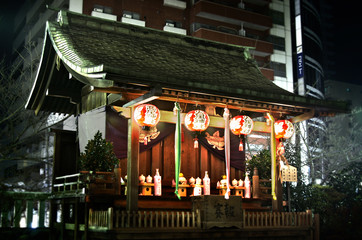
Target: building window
{"x":132,"y":15}
{"x":172,"y":23}
{"x":279,"y":69}
{"x":278,"y":42}
{"x":102,"y":9}
{"x":277,"y":17}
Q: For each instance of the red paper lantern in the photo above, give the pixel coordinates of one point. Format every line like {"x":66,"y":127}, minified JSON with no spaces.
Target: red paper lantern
{"x":283,"y":129}
{"x":146,"y":116}
{"x":241,"y":125}
{"x":198,"y":121}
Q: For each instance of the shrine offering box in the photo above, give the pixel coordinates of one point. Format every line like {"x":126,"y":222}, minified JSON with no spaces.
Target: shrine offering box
{"x":216,"y":211}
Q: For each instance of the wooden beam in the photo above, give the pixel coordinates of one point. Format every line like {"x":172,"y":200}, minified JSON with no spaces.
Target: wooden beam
{"x":114,"y":97}
{"x":113,"y":90}
{"x":215,"y":121}
{"x":132,"y":164}
{"x":261,"y":127}
{"x":151,"y":95}
{"x":302,"y":117}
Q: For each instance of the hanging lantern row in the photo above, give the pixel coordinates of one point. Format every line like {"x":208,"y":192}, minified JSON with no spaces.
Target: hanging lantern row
{"x":197,"y":121}
{"x":241,"y":125}
{"x":146,"y":116}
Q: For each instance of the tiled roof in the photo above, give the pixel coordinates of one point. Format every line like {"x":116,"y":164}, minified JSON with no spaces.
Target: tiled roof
{"x":107,"y":53}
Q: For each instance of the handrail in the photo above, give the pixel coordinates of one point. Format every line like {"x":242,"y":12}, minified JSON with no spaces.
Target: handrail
{"x":103,"y":219}
{"x":277,"y":219}
{"x":86,"y":182}
{"x":16,"y":203}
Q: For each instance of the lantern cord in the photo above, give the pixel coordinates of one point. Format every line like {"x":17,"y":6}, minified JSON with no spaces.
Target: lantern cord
{"x":177,"y":109}
{"x":226,"y":116}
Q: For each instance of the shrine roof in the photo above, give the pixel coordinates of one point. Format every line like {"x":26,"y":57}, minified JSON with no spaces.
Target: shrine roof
{"x":111,"y":54}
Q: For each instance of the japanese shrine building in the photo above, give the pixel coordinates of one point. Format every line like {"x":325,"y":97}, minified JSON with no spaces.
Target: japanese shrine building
{"x":99,"y":70}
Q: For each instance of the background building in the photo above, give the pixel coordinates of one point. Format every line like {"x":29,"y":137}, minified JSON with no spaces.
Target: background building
{"x":309,"y":46}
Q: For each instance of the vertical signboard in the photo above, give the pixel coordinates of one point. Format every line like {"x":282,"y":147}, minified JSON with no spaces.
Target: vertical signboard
{"x":299,"y":44}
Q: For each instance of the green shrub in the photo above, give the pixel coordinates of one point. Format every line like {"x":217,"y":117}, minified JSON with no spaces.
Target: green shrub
{"x":98,"y":155}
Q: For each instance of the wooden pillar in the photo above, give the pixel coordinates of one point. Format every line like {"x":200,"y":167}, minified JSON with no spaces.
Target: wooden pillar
{"x":86,"y":219}
{"x":277,"y":204}
{"x":62,"y":228}
{"x":279,"y":192}
{"x":277,"y":201}
{"x":52,"y":214}
{"x":132,"y":164}
{"x":117,"y":185}
{"x":256,"y":184}
{"x":316,"y":227}
{"x":76,"y":219}
{"x":289,"y":197}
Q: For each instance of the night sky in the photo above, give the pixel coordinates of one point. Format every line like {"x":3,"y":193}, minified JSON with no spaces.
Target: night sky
{"x":8,"y":10}
{"x":348,"y":39}
{"x":348,"y":36}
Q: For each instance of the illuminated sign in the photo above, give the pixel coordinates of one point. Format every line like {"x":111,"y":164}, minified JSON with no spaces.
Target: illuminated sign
{"x":300,"y":65}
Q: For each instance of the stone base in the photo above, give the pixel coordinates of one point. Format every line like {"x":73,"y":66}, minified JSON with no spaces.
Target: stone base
{"x":216,"y":211}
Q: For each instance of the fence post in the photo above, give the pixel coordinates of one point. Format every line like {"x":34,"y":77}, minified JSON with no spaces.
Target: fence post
{"x":243,"y":224}
{"x":188,"y":219}
{"x":156,"y":222}
{"x":18,"y":204}
{"x":29,"y":213}
{"x":110,"y":218}
{"x":198,"y":215}
{"x":41,"y":213}
{"x":151,"y":219}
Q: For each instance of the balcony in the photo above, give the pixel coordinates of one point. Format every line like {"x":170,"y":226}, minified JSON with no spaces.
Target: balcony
{"x":181,"y":31}
{"x":104,"y":15}
{"x":133,"y":21}
{"x":175,"y":4}
{"x":268,"y":73}
{"x":262,"y":48}
{"x":232,"y":15}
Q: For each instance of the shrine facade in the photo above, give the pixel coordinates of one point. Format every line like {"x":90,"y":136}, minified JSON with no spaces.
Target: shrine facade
{"x":100,"y":71}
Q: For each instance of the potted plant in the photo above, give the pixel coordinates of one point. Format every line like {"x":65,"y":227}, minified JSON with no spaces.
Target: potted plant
{"x":98,"y":160}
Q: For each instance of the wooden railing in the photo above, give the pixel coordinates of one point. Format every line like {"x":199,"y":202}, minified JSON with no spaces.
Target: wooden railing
{"x":87,"y":182}
{"x":100,"y":219}
{"x":107,"y":219}
{"x":277,"y":219}
{"x":261,"y":187}
{"x":144,"y":219}
{"x":14,"y":205}
{"x":69,"y":183}
{"x":265,"y":188}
